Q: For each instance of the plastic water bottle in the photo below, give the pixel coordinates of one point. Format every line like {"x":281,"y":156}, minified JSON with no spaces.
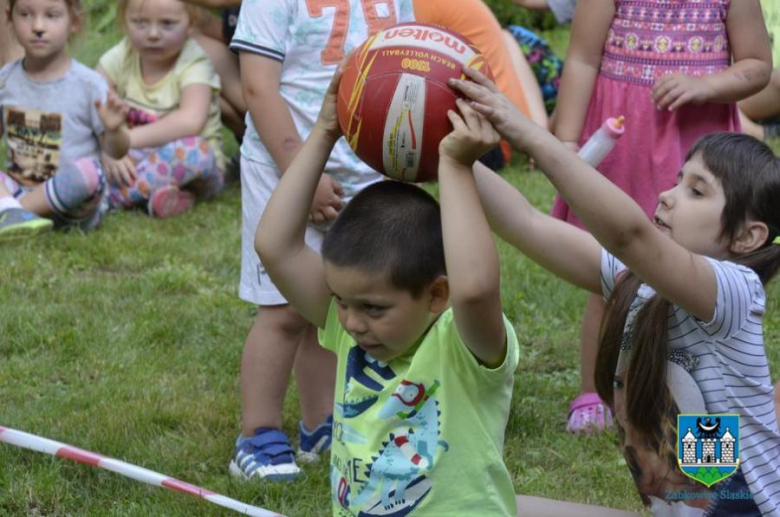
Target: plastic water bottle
{"x":602,"y":141}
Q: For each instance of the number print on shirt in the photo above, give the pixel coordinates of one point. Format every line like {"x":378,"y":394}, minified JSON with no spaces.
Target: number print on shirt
{"x":379,"y":15}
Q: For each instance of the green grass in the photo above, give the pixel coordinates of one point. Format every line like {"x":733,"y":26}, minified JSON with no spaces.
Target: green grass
{"x":127,"y":342}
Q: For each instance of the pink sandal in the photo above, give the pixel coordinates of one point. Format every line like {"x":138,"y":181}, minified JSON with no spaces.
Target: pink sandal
{"x":588,"y":413}
{"x":170,"y":201}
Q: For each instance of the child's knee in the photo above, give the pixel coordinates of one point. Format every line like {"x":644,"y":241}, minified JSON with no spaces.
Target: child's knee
{"x":75,"y":184}
{"x":90,"y":175}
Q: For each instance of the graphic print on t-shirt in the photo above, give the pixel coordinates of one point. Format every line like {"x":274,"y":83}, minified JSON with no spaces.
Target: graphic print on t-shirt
{"x":34,"y":140}
{"x":394,"y":472}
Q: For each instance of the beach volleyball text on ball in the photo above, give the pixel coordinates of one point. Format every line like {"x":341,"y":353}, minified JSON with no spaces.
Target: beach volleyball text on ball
{"x":393,"y":97}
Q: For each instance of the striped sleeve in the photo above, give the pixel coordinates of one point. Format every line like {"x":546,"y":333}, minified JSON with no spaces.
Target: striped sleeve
{"x":263,"y":27}
{"x":740,"y":300}
{"x":611,"y":268}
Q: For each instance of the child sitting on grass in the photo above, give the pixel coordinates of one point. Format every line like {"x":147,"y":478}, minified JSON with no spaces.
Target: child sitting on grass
{"x":56,"y":115}
{"x":173,"y":92}
{"x":413,"y":312}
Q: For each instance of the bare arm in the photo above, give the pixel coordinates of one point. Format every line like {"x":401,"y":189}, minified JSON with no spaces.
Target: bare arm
{"x":752,"y":55}
{"x":188,"y":120}
{"x":614,"y":219}
{"x":296,"y":269}
{"x":592,"y":19}
{"x":115,"y":141}
{"x":274,"y":123}
{"x":270,"y":114}
{"x":472,"y":263}
{"x":564,"y":250}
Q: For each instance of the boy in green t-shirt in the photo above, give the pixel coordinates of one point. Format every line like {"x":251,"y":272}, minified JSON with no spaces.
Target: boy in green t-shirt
{"x":407,"y":295}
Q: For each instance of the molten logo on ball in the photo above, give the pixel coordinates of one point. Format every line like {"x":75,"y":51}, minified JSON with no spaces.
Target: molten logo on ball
{"x":393,"y":98}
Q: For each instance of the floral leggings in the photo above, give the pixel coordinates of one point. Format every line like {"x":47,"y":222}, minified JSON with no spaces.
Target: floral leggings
{"x":188,"y":163}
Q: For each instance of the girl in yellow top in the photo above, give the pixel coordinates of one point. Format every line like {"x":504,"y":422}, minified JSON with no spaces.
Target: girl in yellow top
{"x":173,"y":92}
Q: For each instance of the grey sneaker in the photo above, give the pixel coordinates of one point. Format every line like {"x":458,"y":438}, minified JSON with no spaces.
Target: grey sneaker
{"x":17,"y":222}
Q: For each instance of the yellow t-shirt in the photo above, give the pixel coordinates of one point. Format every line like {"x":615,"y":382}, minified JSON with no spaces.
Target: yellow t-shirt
{"x":424,"y":433}
{"x":123,"y":66}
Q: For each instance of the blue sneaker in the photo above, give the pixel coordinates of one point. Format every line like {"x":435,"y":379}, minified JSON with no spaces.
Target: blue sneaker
{"x":17,"y":222}
{"x":266,"y":455}
{"x":314,"y":443}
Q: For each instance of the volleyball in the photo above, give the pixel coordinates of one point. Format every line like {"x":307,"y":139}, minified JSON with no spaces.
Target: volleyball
{"x":393,"y":97}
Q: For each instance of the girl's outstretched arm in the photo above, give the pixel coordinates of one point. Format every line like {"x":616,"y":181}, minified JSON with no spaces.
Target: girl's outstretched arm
{"x":561,"y":248}
{"x":749,"y":73}
{"x":589,"y":29}
{"x":614,"y":219}
{"x":296,"y":269}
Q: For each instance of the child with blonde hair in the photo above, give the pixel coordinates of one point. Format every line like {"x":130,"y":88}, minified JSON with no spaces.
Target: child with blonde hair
{"x":173,"y":93}
{"x":56,"y":115}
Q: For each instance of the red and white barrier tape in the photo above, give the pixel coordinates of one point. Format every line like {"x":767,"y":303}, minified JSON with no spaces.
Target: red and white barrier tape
{"x":40,"y":444}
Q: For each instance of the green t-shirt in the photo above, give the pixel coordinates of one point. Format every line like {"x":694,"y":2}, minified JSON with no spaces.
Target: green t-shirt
{"x":424,"y":433}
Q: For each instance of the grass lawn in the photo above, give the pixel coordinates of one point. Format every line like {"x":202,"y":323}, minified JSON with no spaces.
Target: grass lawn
{"x":127,"y":342}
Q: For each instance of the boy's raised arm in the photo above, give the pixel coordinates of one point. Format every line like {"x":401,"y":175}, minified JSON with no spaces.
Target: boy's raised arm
{"x":296,"y":269}
{"x":469,"y":250}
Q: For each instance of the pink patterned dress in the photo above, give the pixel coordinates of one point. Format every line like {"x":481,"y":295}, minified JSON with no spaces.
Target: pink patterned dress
{"x":647,"y":40}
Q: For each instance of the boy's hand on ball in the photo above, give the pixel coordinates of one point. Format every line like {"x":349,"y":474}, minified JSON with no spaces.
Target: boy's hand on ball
{"x":327,"y":202}
{"x":491,"y":103}
{"x":472,"y":136}
{"x":329,"y":119}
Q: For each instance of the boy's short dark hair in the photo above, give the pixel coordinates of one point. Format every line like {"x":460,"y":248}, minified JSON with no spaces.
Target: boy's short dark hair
{"x":390,"y":228}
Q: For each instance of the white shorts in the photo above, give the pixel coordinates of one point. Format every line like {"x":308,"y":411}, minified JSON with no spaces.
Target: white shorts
{"x":258,"y":181}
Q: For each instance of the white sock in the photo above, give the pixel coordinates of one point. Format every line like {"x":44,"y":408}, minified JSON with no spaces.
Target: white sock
{"x":7,"y":202}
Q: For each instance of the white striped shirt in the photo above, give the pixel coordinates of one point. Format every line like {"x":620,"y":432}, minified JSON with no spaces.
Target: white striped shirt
{"x":731,"y":367}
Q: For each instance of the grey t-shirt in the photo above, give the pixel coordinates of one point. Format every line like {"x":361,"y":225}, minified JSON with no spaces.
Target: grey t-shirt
{"x":49,"y":123}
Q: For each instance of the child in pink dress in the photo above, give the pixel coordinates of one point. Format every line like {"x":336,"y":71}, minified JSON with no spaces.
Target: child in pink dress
{"x":674,"y":69}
